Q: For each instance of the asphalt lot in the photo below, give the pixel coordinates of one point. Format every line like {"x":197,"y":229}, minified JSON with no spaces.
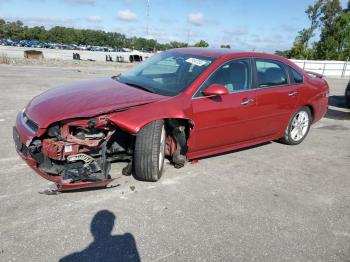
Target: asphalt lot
{"x":267,"y":203}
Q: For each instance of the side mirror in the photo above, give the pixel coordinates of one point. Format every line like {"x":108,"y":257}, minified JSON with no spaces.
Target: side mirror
{"x":215,"y":90}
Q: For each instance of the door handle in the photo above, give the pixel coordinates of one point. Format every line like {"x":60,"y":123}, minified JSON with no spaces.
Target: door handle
{"x":247,"y":102}
{"x":293,"y":94}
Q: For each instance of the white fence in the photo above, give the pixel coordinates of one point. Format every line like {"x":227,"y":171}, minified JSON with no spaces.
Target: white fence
{"x":326,"y":68}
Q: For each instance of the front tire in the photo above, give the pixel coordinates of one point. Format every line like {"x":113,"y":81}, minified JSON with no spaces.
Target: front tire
{"x":298,"y":127}
{"x":149,"y":151}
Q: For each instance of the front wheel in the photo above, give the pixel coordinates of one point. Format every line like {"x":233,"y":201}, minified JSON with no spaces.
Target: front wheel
{"x":150,"y":151}
{"x":298,"y":127}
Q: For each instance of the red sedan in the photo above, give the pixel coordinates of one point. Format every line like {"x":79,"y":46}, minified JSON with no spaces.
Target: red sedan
{"x":182,"y":104}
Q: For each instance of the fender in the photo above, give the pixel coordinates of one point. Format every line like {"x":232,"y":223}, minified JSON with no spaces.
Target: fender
{"x":134,"y":119}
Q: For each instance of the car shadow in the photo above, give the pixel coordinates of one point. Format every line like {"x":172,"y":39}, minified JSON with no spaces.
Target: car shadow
{"x":337,"y":109}
{"x":105,"y":246}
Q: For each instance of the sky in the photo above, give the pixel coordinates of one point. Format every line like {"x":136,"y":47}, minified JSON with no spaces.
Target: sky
{"x":266,"y":26}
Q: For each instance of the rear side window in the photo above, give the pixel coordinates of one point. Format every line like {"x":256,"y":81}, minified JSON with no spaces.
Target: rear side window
{"x":297,"y":77}
{"x":270,"y":73}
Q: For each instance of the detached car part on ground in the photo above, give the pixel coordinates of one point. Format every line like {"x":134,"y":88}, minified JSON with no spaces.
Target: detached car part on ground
{"x":182,"y":104}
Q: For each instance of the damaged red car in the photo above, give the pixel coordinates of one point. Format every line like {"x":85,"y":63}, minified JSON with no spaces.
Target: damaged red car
{"x":181,"y":104}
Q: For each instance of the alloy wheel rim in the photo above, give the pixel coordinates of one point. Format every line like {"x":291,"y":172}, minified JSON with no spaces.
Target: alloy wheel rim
{"x":161,"y":149}
{"x":300,"y":125}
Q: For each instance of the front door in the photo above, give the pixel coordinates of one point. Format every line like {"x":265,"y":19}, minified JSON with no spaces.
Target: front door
{"x":228,"y":119}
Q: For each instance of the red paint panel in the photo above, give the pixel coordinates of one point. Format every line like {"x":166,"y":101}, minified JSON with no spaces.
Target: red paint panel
{"x":223,"y":120}
{"x":275,"y":106}
{"x":85,"y":99}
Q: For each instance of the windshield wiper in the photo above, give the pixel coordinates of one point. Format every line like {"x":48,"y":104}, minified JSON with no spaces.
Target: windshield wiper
{"x":119,"y":79}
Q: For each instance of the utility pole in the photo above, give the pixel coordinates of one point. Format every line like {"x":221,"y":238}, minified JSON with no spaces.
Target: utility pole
{"x":147,"y":17}
{"x":188,"y":36}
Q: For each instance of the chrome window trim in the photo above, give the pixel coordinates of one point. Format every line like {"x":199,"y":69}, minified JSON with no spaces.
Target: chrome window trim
{"x":248,"y":90}
{"x":252,"y":59}
{"x":283,"y":64}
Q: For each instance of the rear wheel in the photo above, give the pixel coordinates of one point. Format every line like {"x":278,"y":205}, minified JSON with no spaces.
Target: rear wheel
{"x":150,"y":151}
{"x":298,"y":127}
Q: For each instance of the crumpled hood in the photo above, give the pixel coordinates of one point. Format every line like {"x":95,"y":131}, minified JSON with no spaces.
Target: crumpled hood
{"x":85,"y":99}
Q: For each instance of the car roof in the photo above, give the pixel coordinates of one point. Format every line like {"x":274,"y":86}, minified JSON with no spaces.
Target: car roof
{"x":222,"y":52}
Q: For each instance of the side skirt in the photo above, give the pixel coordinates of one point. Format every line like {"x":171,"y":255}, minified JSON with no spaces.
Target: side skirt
{"x":222,"y":149}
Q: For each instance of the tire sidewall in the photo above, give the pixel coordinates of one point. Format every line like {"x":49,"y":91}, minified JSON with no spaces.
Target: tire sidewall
{"x":160,"y":170}
{"x":146,"y":166}
{"x":288,"y":137}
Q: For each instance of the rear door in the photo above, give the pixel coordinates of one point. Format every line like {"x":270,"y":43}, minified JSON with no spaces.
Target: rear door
{"x":277,"y":96}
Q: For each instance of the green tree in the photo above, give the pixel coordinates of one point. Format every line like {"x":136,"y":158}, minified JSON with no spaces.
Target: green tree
{"x":175,"y":44}
{"x":327,"y":46}
{"x":301,"y":49}
{"x":201,"y":43}
{"x":68,"y":35}
{"x":285,"y":53}
{"x":328,"y":18}
{"x":335,"y":40}
{"x":225,"y":46}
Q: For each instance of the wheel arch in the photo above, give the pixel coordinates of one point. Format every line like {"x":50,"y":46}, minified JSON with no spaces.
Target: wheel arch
{"x":312,"y":110}
{"x":134,"y":125}
{"x":187,"y":122}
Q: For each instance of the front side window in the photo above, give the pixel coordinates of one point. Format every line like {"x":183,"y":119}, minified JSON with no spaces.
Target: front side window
{"x":168,"y":73}
{"x":270,"y":73}
{"x":234,"y":75}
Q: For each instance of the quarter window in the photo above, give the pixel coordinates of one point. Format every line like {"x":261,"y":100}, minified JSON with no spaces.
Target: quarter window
{"x":270,"y":73}
{"x":234,"y":75}
{"x":298,"y":78}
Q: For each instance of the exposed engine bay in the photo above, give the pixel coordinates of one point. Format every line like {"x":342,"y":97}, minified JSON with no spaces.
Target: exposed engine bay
{"x":83,"y":149}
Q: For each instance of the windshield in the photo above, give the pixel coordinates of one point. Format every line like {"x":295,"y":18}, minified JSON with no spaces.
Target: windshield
{"x":167,"y":73}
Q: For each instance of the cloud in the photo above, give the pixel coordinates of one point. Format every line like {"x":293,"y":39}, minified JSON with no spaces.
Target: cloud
{"x":242,"y":39}
{"x":81,"y":2}
{"x":126,"y":15}
{"x":270,"y":42}
{"x":196,"y":19}
{"x":94,"y":19}
{"x":287,"y":28}
{"x":167,"y":20}
{"x":237,"y":31}
{"x":43,"y":20}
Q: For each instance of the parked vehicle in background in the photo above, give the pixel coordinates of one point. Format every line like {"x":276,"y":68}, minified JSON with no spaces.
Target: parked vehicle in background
{"x":39,"y":44}
{"x":347,"y":95}
{"x":182,"y":104}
